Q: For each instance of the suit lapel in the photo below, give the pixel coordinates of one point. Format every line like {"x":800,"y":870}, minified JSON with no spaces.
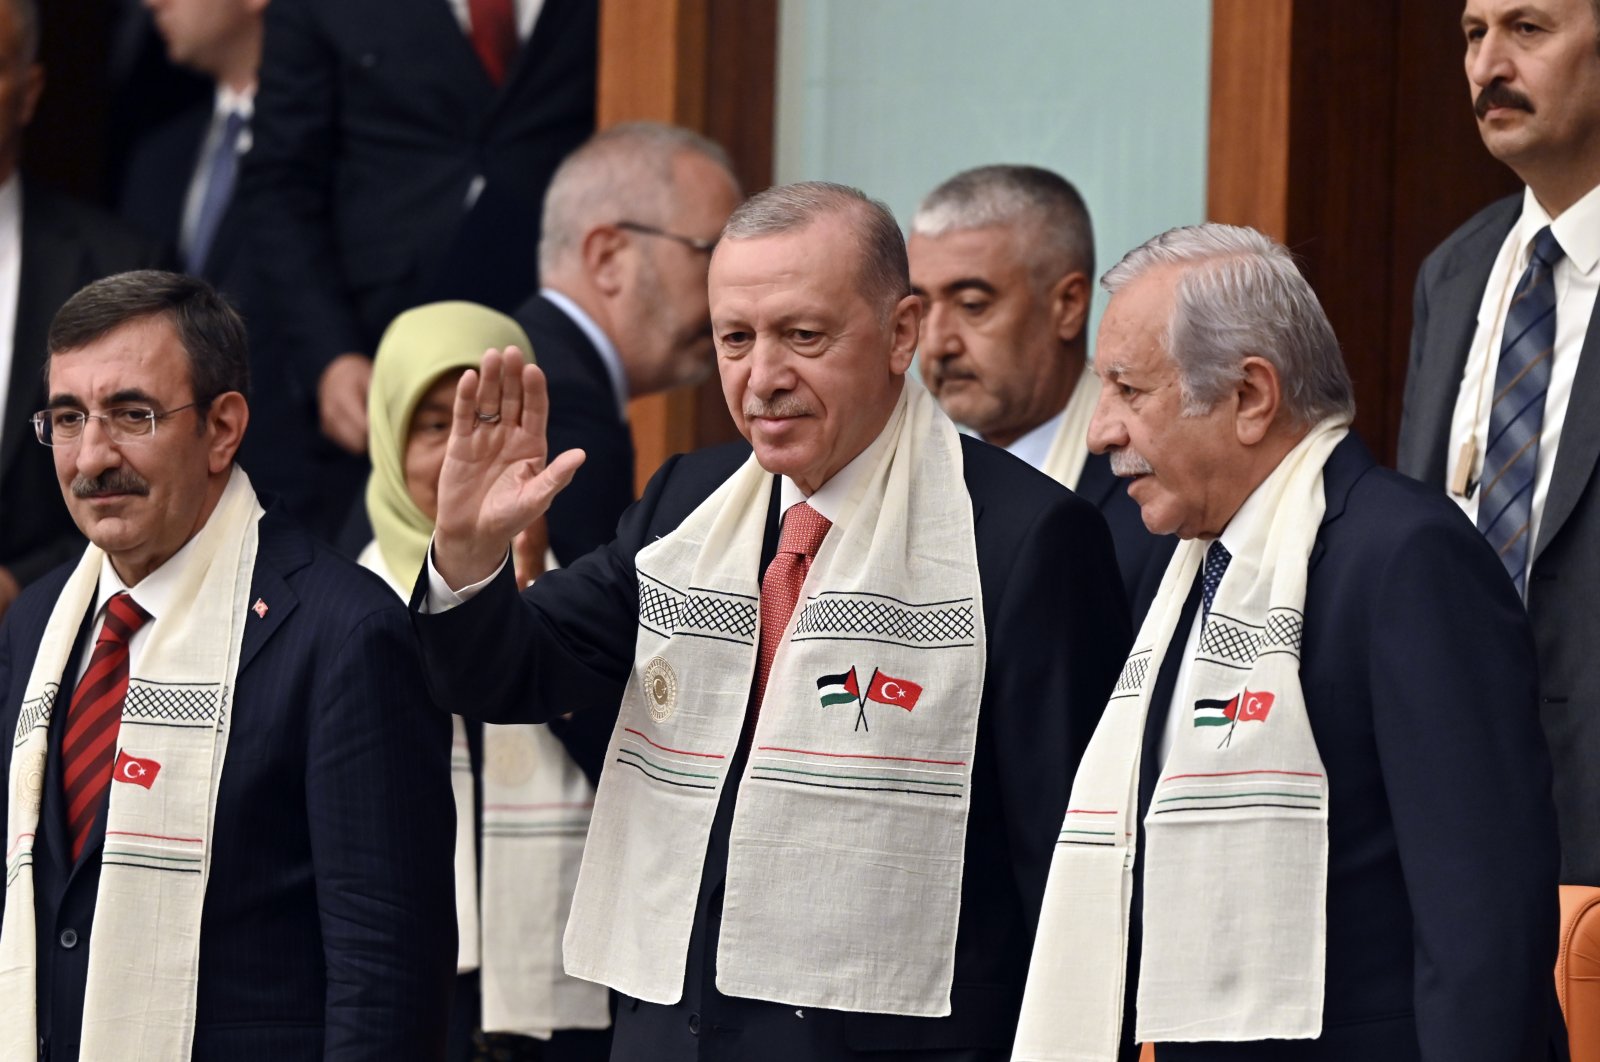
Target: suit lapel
{"x":48,"y":277}
{"x":1349,"y":462}
{"x":1453,"y":321}
{"x":282,"y":550}
{"x":1580,"y":441}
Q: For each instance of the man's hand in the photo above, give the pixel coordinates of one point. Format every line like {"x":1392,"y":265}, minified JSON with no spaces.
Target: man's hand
{"x":495,"y":481}
{"x":9,"y":589}
{"x":527,"y":552}
{"x":342,"y":401}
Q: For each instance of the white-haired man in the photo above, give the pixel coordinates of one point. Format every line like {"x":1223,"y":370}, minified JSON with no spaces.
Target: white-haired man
{"x":832,"y":792}
{"x":1311,"y":823}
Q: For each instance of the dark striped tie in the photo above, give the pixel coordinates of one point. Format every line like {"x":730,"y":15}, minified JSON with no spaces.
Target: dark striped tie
{"x":1521,"y":381}
{"x":88,"y":750}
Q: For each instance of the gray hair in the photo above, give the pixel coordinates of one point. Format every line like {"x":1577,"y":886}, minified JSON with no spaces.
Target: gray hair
{"x":27,"y":13}
{"x":211,"y":331}
{"x":622,"y":173}
{"x":885,"y":275}
{"x":1241,"y":295}
{"x":1041,"y":205}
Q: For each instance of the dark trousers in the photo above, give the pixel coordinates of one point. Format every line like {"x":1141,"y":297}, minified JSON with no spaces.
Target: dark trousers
{"x":468,"y":1043}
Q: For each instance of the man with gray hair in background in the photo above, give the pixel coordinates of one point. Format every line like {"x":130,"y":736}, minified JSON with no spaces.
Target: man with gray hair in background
{"x":855,"y":668}
{"x":1311,"y":823}
{"x":1002,"y":257}
{"x":630,"y":219}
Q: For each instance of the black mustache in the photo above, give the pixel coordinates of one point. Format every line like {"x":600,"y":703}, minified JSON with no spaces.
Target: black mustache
{"x":111,"y":481}
{"x":1498,"y":94}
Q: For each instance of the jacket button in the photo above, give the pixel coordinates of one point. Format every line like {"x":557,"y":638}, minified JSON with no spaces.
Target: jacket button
{"x":69,"y":938}
{"x":694,"y":1025}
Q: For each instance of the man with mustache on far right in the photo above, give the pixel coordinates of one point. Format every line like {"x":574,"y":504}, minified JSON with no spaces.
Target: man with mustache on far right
{"x":1505,"y":359}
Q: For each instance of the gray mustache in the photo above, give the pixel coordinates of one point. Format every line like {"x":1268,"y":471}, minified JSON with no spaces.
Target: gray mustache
{"x":111,"y":481}
{"x":779,"y":407}
{"x":1129,"y":463}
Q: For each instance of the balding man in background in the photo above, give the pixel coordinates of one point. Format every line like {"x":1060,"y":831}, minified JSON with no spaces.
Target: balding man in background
{"x":1002,"y":258}
{"x":630,"y":221}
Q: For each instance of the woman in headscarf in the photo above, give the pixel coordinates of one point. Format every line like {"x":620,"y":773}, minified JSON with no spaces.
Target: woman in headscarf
{"x":522,"y":805}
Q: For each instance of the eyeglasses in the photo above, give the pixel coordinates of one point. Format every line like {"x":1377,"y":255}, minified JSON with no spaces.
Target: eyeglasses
{"x":694,"y":243}
{"x":123,"y":424}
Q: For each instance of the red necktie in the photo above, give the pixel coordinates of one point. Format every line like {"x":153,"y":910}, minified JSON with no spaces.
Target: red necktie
{"x":803,"y":531}
{"x":90,"y":746}
{"x":494,"y":35}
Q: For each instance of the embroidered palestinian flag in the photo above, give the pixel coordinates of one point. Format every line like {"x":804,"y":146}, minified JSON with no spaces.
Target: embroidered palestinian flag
{"x":1215,"y":713}
{"x":839,"y":689}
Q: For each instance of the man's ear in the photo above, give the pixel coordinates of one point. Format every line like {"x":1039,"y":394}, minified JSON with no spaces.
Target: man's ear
{"x":1259,"y":399}
{"x":226,"y":420}
{"x":603,"y":259}
{"x":905,"y":324}
{"x":1069,"y":306}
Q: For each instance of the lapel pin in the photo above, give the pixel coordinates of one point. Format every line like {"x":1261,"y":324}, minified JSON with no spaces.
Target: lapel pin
{"x":259,"y":608}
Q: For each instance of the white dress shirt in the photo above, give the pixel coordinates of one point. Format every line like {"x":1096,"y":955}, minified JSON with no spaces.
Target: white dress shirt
{"x":10,"y":279}
{"x":229,"y":102}
{"x":1576,"y":281}
{"x":609,"y":357}
{"x":527,"y":15}
{"x":1034,"y":446}
{"x":1181,"y":712}
{"x":156,"y":593}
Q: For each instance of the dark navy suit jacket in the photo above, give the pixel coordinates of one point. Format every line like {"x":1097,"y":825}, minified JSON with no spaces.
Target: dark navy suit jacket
{"x":1057,"y":634}
{"x":329,"y":923}
{"x":1141,"y":557}
{"x":1420,"y":683}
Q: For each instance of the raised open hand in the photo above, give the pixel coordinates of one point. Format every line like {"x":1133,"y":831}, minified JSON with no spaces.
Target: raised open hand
{"x":496,"y":479}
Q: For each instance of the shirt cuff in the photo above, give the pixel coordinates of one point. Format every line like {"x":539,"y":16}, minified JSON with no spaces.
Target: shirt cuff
{"x":440,"y":598}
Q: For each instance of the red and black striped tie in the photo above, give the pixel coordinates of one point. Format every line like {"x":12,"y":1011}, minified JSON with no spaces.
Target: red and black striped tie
{"x":90,"y":747}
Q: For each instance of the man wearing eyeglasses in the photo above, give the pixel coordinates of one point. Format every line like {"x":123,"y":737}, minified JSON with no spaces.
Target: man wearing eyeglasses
{"x":629,"y":224}
{"x":225,"y":794}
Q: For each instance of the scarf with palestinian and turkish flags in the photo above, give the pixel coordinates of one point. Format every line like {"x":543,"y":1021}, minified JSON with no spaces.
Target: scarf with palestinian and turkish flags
{"x":1239,"y":816}
{"x":144,"y":960}
{"x":845,"y":854}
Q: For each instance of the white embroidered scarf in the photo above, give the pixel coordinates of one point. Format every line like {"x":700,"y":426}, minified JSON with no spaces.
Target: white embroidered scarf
{"x":1235,"y":873}
{"x":1070,"y":448}
{"x":536,"y":806}
{"x":845,"y":854}
{"x":144,"y":962}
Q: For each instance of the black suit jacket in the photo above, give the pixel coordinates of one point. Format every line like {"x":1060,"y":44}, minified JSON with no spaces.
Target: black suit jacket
{"x":1141,"y":557}
{"x":329,"y":923}
{"x":1442,"y":918}
{"x":583,"y":415}
{"x":1564,"y":578}
{"x":1058,"y":631}
{"x":65,"y":245}
{"x":373,"y":122}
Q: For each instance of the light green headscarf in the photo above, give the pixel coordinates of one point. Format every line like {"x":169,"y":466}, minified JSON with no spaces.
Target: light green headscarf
{"x":420,"y":346}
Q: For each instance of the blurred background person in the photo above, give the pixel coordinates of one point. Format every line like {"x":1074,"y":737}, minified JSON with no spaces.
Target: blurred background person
{"x":50,"y":246}
{"x":522,"y":803}
{"x":629,"y":224}
{"x":1001,"y":257}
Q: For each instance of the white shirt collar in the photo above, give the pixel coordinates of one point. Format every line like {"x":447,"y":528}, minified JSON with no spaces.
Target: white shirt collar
{"x":1034,"y":446}
{"x":602,"y":343}
{"x":1577,"y":230}
{"x":830,"y":498}
{"x":1241,"y":519}
{"x":156,"y":593}
{"x":234,"y":101}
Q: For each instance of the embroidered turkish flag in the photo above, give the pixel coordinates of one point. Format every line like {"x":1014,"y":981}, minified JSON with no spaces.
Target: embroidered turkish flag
{"x":1253,"y":707}
{"x":886,"y":689}
{"x":132,"y":769}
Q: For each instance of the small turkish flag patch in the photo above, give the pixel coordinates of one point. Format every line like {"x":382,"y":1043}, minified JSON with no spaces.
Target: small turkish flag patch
{"x":133,"y":769}
{"x":259,"y":608}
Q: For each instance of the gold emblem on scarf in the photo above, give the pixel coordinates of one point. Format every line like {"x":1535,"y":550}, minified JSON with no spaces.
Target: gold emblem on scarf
{"x":660,"y":689}
{"x":508,"y":755}
{"x":33,"y":782}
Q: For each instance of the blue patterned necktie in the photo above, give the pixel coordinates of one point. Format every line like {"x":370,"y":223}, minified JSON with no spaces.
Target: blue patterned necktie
{"x":1217,"y":558}
{"x":220,"y":178}
{"x":1521,"y":381}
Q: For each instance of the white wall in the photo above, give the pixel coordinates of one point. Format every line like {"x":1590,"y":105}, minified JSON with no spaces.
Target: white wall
{"x":895,"y":95}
